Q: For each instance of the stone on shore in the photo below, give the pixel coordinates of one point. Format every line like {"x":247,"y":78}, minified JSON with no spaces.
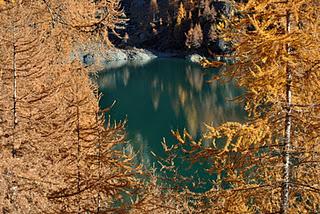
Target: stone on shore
{"x":195,"y":58}
{"x":106,"y":58}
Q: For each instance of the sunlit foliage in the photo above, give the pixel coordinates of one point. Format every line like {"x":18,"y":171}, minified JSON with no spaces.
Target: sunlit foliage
{"x":194,"y":37}
{"x":56,"y":154}
{"x":269,"y":164}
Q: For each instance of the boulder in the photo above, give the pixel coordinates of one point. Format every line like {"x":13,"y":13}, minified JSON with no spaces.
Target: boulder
{"x":102,"y":57}
{"x":88,"y":59}
{"x":195,"y":58}
{"x":136,"y":54}
{"x":114,"y":54}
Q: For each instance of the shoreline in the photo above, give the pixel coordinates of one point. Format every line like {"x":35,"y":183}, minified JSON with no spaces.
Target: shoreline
{"x":101,"y":58}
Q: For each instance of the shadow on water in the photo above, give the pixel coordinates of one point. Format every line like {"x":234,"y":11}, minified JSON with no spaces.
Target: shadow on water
{"x":165,"y":95}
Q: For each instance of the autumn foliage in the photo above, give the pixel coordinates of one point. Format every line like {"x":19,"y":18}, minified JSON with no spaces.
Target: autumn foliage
{"x":269,"y":164}
{"x":56,"y":154}
{"x":194,"y":37}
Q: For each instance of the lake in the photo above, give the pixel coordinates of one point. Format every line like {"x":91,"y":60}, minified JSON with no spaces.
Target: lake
{"x":163,"y":95}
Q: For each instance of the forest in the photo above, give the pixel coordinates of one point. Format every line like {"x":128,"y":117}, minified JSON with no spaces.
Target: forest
{"x":60,"y":152}
{"x":183,"y":25}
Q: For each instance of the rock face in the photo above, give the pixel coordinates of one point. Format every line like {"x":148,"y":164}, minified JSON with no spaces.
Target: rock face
{"x":133,"y":54}
{"x":114,"y":58}
{"x":104,"y":58}
{"x":114,"y":55}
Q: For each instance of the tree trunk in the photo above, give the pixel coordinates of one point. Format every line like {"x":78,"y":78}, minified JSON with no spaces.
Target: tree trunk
{"x":99,"y":165}
{"x":287,"y":139}
{"x":14,"y":97}
{"x":78,"y":157}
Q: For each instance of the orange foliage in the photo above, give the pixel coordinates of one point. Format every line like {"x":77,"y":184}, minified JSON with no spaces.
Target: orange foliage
{"x":270,"y":163}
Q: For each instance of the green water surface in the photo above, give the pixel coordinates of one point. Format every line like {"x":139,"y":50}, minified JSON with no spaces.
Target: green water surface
{"x":164,"y":95}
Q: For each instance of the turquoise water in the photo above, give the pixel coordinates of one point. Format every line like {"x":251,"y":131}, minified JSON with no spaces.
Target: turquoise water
{"x":164,"y":95}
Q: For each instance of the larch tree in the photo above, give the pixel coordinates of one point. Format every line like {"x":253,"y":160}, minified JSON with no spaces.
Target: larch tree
{"x":269,"y":164}
{"x":194,"y":37}
{"x":26,"y":97}
{"x":154,"y":9}
{"x":181,"y":15}
{"x":98,"y":174}
{"x":212,"y":34}
{"x":84,"y":21}
{"x":56,"y":155}
{"x":90,"y":172}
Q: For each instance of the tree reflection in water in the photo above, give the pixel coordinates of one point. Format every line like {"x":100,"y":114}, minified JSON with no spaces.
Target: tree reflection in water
{"x":166,"y":94}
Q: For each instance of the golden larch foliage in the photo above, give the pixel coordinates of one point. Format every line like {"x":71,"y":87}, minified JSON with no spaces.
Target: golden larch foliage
{"x":270,"y":163}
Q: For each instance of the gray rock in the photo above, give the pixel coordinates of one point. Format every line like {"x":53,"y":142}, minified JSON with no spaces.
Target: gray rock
{"x":134,"y":54}
{"x":100,"y":56}
{"x":195,"y":58}
{"x":114,"y":55}
{"x":139,"y":55}
{"x":117,"y":57}
{"x":88,"y":59}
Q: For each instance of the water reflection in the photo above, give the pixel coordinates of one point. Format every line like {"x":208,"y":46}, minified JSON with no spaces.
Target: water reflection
{"x":166,"y":94}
